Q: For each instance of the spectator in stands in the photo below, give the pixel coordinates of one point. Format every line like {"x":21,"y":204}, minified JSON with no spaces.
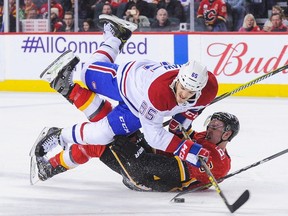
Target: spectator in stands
{"x":57,"y":24}
{"x":143,"y":7}
{"x":162,"y":23}
{"x":256,"y":7}
{"x":115,"y":3}
{"x":12,"y":15}
{"x":107,"y":9}
{"x":249,"y":24}
{"x":212,"y":15}
{"x":84,"y":8}
{"x":277,"y":24}
{"x":30,"y":7}
{"x":285,"y":17}
{"x":174,"y":8}
{"x":66,"y":4}
{"x":54,"y":4}
{"x":100,"y":7}
{"x":88,"y":26}
{"x":133,"y":15}
{"x":1,"y":16}
{"x":31,"y":14}
{"x":238,"y":12}
{"x":268,"y":24}
{"x":69,"y":21}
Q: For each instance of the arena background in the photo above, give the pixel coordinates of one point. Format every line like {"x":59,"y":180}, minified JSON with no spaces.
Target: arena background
{"x":235,"y":58}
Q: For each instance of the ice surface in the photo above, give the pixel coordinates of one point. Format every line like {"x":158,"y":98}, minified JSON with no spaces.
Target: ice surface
{"x":93,"y":189}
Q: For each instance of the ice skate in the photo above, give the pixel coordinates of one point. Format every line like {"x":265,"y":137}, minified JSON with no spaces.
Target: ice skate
{"x":33,"y":170}
{"x":48,"y":139}
{"x":46,"y":170}
{"x":41,"y":169}
{"x":60,"y":73}
{"x":120,"y":28}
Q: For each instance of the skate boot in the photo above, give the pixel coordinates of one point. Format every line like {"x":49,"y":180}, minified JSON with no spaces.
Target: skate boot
{"x":46,"y":170}
{"x":48,"y":139}
{"x":60,"y":73}
{"x":120,"y":28}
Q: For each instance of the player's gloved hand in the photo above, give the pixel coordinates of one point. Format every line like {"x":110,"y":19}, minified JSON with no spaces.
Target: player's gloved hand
{"x":180,"y":121}
{"x":126,"y":149}
{"x":190,"y":151}
{"x":174,"y":126}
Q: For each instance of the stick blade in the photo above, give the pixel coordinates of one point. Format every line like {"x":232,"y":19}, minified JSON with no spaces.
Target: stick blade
{"x":240,"y":201}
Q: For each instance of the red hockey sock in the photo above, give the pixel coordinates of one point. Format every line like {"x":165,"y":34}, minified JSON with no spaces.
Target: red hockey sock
{"x":82,"y":98}
{"x":103,"y":110}
{"x":79,"y":95}
{"x":79,"y":154}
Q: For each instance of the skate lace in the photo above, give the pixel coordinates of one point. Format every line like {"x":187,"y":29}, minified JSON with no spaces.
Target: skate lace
{"x":51,"y":142}
{"x":109,"y":28}
{"x":68,"y":74}
{"x":70,"y":79}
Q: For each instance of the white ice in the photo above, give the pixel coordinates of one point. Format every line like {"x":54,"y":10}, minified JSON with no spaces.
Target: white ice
{"x":93,"y":189}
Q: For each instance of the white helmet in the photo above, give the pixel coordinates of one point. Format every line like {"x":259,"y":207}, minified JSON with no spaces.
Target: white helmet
{"x":193,"y":76}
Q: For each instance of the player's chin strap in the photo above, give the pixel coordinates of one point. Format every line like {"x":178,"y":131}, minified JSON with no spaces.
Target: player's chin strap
{"x":239,"y":202}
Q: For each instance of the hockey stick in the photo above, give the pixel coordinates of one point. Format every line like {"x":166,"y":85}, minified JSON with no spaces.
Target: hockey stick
{"x":255,"y":164}
{"x":239,"y":202}
{"x":241,"y":87}
{"x":234,"y":173}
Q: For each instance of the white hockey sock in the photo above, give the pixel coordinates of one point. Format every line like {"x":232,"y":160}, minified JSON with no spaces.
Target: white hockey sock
{"x":94,"y":133}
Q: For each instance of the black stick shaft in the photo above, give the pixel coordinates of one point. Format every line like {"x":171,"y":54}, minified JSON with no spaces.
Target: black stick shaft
{"x":255,"y":164}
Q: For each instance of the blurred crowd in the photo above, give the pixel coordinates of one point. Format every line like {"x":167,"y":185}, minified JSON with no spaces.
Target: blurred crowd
{"x":152,"y":15}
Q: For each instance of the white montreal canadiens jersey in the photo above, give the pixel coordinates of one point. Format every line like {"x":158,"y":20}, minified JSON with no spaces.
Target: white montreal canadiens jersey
{"x":145,"y":88}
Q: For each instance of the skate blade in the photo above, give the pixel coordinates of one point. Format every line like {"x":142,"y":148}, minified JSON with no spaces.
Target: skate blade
{"x":55,"y":67}
{"x":33,"y":171}
{"x":42,"y":134}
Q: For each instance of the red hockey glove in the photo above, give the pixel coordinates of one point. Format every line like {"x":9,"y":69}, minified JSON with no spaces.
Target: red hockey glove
{"x":174,"y":127}
{"x":190,"y":151}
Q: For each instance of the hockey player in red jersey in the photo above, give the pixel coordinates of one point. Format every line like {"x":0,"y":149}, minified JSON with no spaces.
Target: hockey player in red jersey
{"x":147,"y":91}
{"x":213,"y":15}
{"x":147,"y":171}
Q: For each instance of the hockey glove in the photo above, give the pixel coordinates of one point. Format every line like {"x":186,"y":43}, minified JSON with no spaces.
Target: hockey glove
{"x":175,"y":124}
{"x":128,"y":150}
{"x":190,"y":151}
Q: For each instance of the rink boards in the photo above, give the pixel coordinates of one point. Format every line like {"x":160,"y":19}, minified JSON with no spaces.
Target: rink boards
{"x":234,"y":58}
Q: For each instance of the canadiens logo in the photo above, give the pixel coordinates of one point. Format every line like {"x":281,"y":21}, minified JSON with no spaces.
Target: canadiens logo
{"x":94,"y":85}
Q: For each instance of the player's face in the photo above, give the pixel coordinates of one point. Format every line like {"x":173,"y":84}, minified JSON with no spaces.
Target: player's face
{"x":215,"y":131}
{"x":182,"y":94}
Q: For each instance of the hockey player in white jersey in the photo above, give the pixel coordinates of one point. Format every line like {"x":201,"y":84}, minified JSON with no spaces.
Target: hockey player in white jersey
{"x":147,"y":91}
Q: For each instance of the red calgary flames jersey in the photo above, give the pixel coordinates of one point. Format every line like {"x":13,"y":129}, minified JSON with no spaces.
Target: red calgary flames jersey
{"x":212,"y":11}
{"x":219,"y":161}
